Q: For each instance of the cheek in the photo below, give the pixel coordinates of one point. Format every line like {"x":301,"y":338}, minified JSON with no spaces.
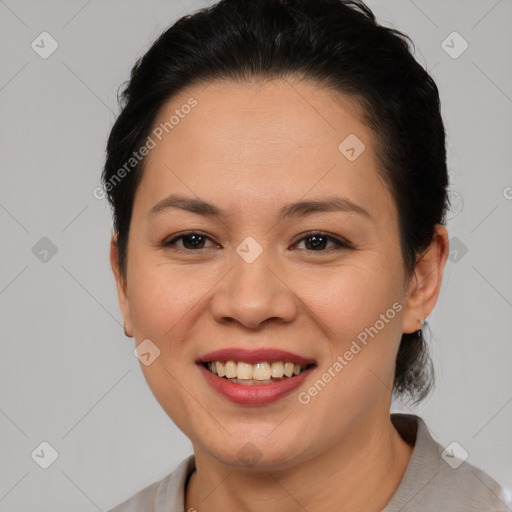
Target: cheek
{"x":358,"y":361}
{"x":165,"y":304}
{"x":350,"y":298}
{"x":359,"y":311}
{"x":164,"y":299}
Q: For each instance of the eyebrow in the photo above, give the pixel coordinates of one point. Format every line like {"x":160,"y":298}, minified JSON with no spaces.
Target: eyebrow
{"x":297,"y":209}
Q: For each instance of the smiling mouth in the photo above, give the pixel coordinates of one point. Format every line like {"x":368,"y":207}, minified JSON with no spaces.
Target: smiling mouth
{"x":240,"y":372}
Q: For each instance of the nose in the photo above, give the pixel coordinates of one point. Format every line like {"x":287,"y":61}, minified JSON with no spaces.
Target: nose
{"x":252,"y":294}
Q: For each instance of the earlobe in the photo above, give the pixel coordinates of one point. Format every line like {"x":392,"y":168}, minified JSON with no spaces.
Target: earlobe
{"x":425,"y":284}
{"x":120,"y":285}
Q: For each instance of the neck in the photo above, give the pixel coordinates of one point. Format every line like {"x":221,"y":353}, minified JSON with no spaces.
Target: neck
{"x":360,"y":472}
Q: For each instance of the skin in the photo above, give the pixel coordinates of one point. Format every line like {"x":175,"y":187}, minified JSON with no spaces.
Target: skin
{"x":251,"y":149}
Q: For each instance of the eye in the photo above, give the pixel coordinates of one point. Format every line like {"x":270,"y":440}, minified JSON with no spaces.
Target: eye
{"x":314,"y":242}
{"x":317,"y":242}
{"x":191,"y":241}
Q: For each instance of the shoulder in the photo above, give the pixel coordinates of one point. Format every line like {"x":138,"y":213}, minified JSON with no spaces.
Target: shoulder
{"x":166,"y":494}
{"x":436,"y":479}
{"x":473,"y":488}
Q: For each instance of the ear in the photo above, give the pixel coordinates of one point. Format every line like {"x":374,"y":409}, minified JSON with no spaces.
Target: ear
{"x":121,"y":285}
{"x":425,"y":284}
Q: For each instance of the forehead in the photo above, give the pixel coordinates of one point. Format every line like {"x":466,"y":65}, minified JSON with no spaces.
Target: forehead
{"x":278,"y":113}
{"x":263,"y":140}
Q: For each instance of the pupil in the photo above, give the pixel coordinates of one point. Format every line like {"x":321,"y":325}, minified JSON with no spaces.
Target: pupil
{"x":317,"y":241}
{"x":196,"y":240}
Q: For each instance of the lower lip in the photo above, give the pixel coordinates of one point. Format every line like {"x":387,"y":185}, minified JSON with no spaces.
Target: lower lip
{"x":256,"y":394}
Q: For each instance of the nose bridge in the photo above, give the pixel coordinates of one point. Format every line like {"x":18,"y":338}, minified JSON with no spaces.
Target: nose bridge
{"x":254,"y":278}
{"x":253,"y":291}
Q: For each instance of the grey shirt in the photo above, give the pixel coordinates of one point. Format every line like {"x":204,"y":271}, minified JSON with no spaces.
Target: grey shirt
{"x":430,"y":483}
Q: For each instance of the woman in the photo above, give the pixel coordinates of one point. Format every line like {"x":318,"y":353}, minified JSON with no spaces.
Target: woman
{"x":279,"y":187}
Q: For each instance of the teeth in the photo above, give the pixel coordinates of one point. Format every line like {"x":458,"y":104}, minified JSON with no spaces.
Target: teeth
{"x":220,"y":369}
{"x":231,"y":369}
{"x":288,"y":369}
{"x":262,"y":371}
{"x":244,"y":371}
{"x":277,"y":370}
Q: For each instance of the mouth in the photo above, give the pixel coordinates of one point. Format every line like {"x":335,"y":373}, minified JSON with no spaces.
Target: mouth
{"x":261,"y":373}
{"x":254,"y":377}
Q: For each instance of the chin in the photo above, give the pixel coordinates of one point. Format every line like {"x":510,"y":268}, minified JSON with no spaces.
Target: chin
{"x":258,"y":456}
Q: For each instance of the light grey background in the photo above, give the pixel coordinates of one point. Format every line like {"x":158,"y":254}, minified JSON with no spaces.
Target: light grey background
{"x":67,"y":373}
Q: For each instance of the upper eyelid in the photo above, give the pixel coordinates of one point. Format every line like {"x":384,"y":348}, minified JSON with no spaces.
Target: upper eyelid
{"x":337,"y":240}
{"x":183,"y":235}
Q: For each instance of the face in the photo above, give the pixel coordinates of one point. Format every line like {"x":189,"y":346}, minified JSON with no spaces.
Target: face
{"x":254,"y":276}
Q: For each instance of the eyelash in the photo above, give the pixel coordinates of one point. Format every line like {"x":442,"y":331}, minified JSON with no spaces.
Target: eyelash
{"x":340,"y":243}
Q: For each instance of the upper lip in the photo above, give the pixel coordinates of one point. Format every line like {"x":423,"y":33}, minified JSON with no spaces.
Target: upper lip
{"x":254,"y":356}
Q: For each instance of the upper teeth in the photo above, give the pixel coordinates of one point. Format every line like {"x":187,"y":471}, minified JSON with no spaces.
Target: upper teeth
{"x":258,"y":371}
